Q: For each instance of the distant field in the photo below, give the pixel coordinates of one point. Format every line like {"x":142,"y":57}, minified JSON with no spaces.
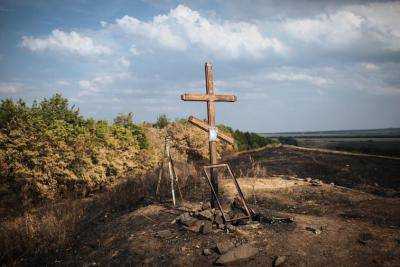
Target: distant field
{"x":375,"y":141}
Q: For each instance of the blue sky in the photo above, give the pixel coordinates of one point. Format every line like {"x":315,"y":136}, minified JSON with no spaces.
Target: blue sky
{"x":294,"y":65}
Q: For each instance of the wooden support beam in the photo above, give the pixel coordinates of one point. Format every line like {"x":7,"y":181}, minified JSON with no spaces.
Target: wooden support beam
{"x":204,"y":126}
{"x":203,"y":97}
{"x":211,"y":121}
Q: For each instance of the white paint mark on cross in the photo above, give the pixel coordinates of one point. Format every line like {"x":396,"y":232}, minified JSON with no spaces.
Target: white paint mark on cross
{"x":210,"y":97}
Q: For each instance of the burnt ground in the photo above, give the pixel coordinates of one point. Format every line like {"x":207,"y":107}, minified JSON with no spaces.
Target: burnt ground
{"x":374,"y":174}
{"x":357,"y":218}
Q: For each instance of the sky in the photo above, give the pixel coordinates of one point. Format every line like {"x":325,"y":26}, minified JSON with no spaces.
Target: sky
{"x":293,"y":65}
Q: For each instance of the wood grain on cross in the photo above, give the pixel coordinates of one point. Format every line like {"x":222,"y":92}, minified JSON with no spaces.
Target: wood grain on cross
{"x":210,"y":97}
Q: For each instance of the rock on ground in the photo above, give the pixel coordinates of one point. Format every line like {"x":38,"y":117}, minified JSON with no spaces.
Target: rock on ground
{"x":279,"y":261}
{"x":240,"y":253}
{"x":224,"y":246}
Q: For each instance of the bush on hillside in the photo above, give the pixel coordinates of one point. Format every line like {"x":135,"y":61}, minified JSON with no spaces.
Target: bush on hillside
{"x":246,"y":140}
{"x":162,"y":121}
{"x":48,"y":150}
{"x":126,"y":120}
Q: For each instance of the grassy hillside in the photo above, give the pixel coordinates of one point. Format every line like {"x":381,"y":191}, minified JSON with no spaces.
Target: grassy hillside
{"x":48,"y":151}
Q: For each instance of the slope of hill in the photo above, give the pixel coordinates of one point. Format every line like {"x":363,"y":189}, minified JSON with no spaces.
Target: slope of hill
{"x":345,"y":211}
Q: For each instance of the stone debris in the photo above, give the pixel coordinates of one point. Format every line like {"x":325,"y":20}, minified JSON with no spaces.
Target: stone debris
{"x":315,"y":230}
{"x":203,"y":221}
{"x":186,"y":219}
{"x":278,"y":261}
{"x":218,"y":219}
{"x":206,"y":228}
{"x":230,"y":228}
{"x":210,"y":220}
{"x":224,"y":246}
{"x":148,"y":261}
{"x":316,"y":182}
{"x":164,"y":233}
{"x":205,"y":206}
{"x":207,"y":252}
{"x":196,"y":226}
{"x":206,"y":214}
{"x":237,"y":254}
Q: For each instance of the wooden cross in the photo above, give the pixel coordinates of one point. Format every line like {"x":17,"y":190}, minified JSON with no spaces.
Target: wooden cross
{"x":210,"y":97}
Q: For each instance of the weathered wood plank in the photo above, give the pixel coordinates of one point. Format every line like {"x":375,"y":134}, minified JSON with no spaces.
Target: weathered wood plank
{"x":195,"y":97}
{"x":211,"y":121}
{"x":204,"y":126}
{"x":203,"y":97}
{"x":224,"y":98}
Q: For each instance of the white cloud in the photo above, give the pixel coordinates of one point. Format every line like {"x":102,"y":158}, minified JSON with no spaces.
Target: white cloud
{"x":363,"y":25}
{"x":370,"y":66}
{"x":381,"y":22}
{"x":156,"y":30}
{"x":71,"y":42}
{"x":134,"y":50}
{"x":298,"y":77}
{"x":63,"y":82}
{"x":183,"y":27}
{"x":124,"y":62}
{"x":11,"y":88}
{"x":100,"y":82}
{"x":336,"y":29}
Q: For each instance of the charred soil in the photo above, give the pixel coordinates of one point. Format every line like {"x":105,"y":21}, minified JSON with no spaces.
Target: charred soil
{"x":323,"y":209}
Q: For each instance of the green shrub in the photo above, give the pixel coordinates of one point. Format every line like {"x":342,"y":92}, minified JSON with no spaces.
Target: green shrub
{"x":48,"y":150}
{"x":162,"y":121}
{"x":246,"y":140}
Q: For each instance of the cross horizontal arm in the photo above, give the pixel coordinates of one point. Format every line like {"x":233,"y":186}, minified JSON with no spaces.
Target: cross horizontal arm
{"x":205,"y":97}
{"x":204,"y":126}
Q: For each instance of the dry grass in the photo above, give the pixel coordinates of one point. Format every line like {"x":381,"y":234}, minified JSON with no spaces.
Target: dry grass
{"x":42,"y":235}
{"x":38,"y":235}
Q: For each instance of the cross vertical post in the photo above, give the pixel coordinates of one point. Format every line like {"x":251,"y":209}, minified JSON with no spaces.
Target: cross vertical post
{"x":211,"y":123}
{"x":210,"y":97}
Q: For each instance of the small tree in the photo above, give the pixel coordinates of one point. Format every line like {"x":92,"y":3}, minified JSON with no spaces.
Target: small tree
{"x":162,"y":121}
{"x":124,"y":119}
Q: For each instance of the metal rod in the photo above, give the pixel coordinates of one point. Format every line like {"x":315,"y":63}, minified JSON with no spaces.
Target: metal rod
{"x":240,"y":192}
{"x":215,"y":165}
{"x":215,"y":196}
{"x":176,"y":177}
{"x":171,"y":176}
